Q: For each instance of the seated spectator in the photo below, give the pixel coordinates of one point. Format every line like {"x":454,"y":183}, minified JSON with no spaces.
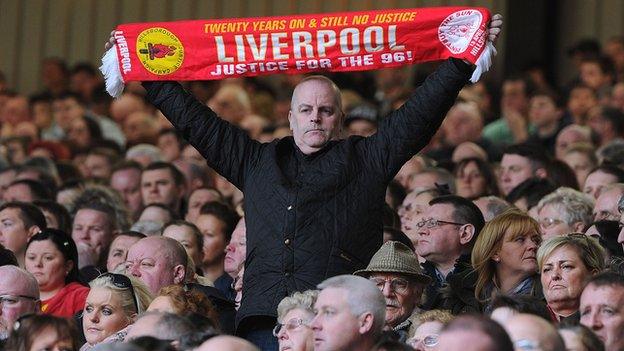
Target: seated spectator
{"x":170,"y":143}
{"x":601,"y":309}
{"x":99,"y":163}
{"x":412,"y":166}
{"x":7,"y":258}
{"x":569,"y":136}
{"x":474,"y":333}
{"x":519,"y":163}
{"x":579,"y":338}
{"x":606,"y":232}
{"x":468,"y":150}
{"x":163,"y":183}
{"x":56,"y":216}
{"x":474,"y":178}
{"x":294,"y":314}
{"x":361,"y":120}
{"x":564,"y":211}
{"x":411,"y":211}
{"x":529,"y":332}
{"x":582,"y":159}
{"x":19,"y":294}
{"x":565,"y":263}
{"x":426,"y":327}
{"x":126,"y":179}
{"x":504,"y":257}
{"x":43,"y":332}
{"x":144,"y":154}
{"x":350,"y":314}
{"x":528,"y":194}
{"x":157,"y":212}
{"x":235,"y":255}
{"x":160,"y":325}
{"x":52,"y":257}
{"x":491,"y":206}
{"x":83,"y":134}
{"x":581,"y":99}
{"x":175,"y":299}
{"x":562,"y":175}
{"x":606,"y":206}
{"x":7,"y":176}
{"x":114,"y":302}
{"x":118,"y":251}
{"x":196,"y":176}
{"x":140,"y":128}
{"x":227,"y":343}
{"x":600,"y":177}
{"x":607,"y":122}
{"x":431,"y":177}
{"x":198,"y":198}
{"x":20,"y":221}
{"x":396,"y":272}
{"x":446,"y":235}
{"x":188,"y":235}
{"x":545,"y":113}
{"x":506,"y":306}
{"x":26,"y":190}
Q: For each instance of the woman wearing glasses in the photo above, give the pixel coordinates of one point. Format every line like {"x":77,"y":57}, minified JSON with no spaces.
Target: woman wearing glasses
{"x":565,"y":263}
{"x":426,"y":328}
{"x":504,"y":257}
{"x":114,"y":302}
{"x":293,"y":315}
{"x":52,"y":257}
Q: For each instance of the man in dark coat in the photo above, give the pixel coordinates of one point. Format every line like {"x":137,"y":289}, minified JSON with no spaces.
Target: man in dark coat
{"x":313,"y":203}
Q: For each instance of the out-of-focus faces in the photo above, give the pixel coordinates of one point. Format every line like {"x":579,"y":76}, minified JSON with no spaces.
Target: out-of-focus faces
{"x":118,"y":251}
{"x":514,"y":170}
{"x":551,"y":222}
{"x":596,"y":181}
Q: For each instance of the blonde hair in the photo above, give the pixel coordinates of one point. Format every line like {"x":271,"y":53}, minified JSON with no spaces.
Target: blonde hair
{"x":587,"y":248}
{"x":302,"y":300}
{"x":490,"y":240}
{"x":441,"y":316}
{"x":141,"y":291}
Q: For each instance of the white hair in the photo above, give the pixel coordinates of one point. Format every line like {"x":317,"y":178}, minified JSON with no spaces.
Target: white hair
{"x":572,"y":204}
{"x":148,"y":150}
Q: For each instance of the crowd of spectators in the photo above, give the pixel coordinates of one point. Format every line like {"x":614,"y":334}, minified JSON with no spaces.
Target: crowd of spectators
{"x":505,"y":232}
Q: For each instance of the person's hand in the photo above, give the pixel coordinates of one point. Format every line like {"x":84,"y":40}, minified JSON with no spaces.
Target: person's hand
{"x":517,"y":125}
{"x":496,"y":23}
{"x":87,"y":254}
{"x":111,"y":41}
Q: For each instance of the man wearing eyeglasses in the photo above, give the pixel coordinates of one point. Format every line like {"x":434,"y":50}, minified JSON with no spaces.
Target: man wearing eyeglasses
{"x":446,"y":234}
{"x":19,"y":295}
{"x":396,"y":272}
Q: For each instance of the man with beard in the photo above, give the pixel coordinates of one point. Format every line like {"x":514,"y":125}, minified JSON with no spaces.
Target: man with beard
{"x":396,"y":272}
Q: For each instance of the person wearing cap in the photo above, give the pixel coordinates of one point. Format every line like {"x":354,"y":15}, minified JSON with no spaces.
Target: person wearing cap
{"x":361,"y":120}
{"x":395,"y":270}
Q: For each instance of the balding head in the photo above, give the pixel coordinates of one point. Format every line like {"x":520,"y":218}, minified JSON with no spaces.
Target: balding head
{"x":569,"y":135}
{"x":231,"y":102}
{"x":140,"y":127}
{"x":22,"y":292}
{"x":158,"y":261}
{"x":125,"y":105}
{"x":529,"y":329}
{"x":227,"y":343}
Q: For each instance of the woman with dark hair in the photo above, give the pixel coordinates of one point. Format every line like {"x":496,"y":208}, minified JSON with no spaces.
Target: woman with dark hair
{"x":43,"y":332}
{"x":57,"y":216}
{"x":475,"y":178}
{"x":52,"y":257}
{"x":83,"y":133}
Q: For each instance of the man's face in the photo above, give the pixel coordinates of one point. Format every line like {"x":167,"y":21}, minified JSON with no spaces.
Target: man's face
{"x":98,"y":166}
{"x":437,"y":244}
{"x":335,"y":327}
{"x":402,"y":296}
{"x":565,"y":139}
{"x":314,"y":116}
{"x":515,"y":169}
{"x":581,"y":100}
{"x":6,"y":178}
{"x":602,"y":310}
{"x":127,"y":182}
{"x":236,"y":250}
{"x":18,"y":192}
{"x":12,"y":306}
{"x":158,"y":186}
{"x":580,"y":163}
{"x":198,"y":199}
{"x":592,"y":75}
{"x":543,"y":111}
{"x":465,"y":340}
{"x":119,"y":251}
{"x":514,"y":96}
{"x":13,"y":234}
{"x":65,"y":111}
{"x":93,"y":229}
{"x":149,"y":261}
{"x":460,"y":125}
{"x":606,"y":206}
{"x":596,"y":181}
{"x":411,"y":212}
{"x":169,"y":147}
{"x":551,"y":222}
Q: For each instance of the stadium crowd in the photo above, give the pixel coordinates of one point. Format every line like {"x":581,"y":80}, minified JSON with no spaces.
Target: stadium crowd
{"x":123,"y":229}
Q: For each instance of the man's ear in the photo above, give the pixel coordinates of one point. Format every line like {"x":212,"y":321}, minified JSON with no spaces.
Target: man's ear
{"x":578,"y":227}
{"x":290,"y":117}
{"x":366,"y":322}
{"x":541,"y":173}
{"x":466,"y":233}
{"x":32,"y":231}
{"x":179,"y":274}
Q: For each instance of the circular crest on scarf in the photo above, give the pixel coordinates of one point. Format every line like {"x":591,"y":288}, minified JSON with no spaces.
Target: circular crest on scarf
{"x":458,"y":29}
{"x":160,"y":51}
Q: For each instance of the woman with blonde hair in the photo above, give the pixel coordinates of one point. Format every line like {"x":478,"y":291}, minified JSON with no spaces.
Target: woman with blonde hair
{"x":294,"y":314}
{"x":565,"y":263}
{"x":114,"y":302}
{"x":176,"y":299}
{"x":426,"y":327}
{"x":504,"y":256}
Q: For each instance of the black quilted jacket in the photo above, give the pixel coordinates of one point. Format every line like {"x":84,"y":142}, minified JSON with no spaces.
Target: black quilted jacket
{"x":310,"y":217}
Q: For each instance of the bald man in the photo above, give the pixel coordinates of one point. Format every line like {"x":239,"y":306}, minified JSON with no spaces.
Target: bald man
{"x":227,"y":343}
{"x":528,"y":330}
{"x":19,"y":295}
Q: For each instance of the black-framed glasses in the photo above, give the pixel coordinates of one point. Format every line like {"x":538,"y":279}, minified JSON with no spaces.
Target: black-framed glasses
{"x":292,"y":324}
{"x":432,"y":223}
{"x":398,"y":285}
{"x":10,"y":300}
{"x":123,"y":282}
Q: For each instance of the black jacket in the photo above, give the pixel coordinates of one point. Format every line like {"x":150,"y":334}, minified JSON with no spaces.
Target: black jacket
{"x":310,"y":217}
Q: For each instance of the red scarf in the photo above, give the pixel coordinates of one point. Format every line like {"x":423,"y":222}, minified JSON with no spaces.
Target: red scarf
{"x":349,"y":41}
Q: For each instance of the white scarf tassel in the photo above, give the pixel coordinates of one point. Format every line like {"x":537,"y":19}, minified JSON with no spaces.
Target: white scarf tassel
{"x":484,"y":62}
{"x":112,"y":75}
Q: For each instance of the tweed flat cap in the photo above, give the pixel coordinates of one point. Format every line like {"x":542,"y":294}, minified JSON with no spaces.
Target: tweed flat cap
{"x":395,"y":257}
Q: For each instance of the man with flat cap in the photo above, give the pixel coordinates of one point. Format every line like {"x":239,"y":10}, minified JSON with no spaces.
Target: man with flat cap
{"x":395,"y":270}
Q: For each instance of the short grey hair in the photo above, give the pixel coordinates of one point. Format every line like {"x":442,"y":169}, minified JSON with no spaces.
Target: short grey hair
{"x":298,"y":300}
{"x":148,"y":150}
{"x":443,"y":175}
{"x":325,"y":80}
{"x":169,"y":326}
{"x":22,"y":276}
{"x":573,"y":205}
{"x":362,"y":296}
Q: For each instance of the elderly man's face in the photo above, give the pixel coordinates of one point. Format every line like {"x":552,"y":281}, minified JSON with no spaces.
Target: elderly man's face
{"x":596,"y":181}
{"x":314,"y":116}
{"x":12,"y":305}
{"x":149,"y":261}
{"x":602,"y":310}
{"x":515,"y":169}
{"x":551,"y":221}
{"x":401,"y":294}
{"x":334,"y":326}
{"x":236,"y":250}
{"x":128,"y":183}
{"x":606,"y":206}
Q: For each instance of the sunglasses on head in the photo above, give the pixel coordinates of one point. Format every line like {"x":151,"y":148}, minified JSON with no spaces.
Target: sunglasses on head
{"x":123,"y":282}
